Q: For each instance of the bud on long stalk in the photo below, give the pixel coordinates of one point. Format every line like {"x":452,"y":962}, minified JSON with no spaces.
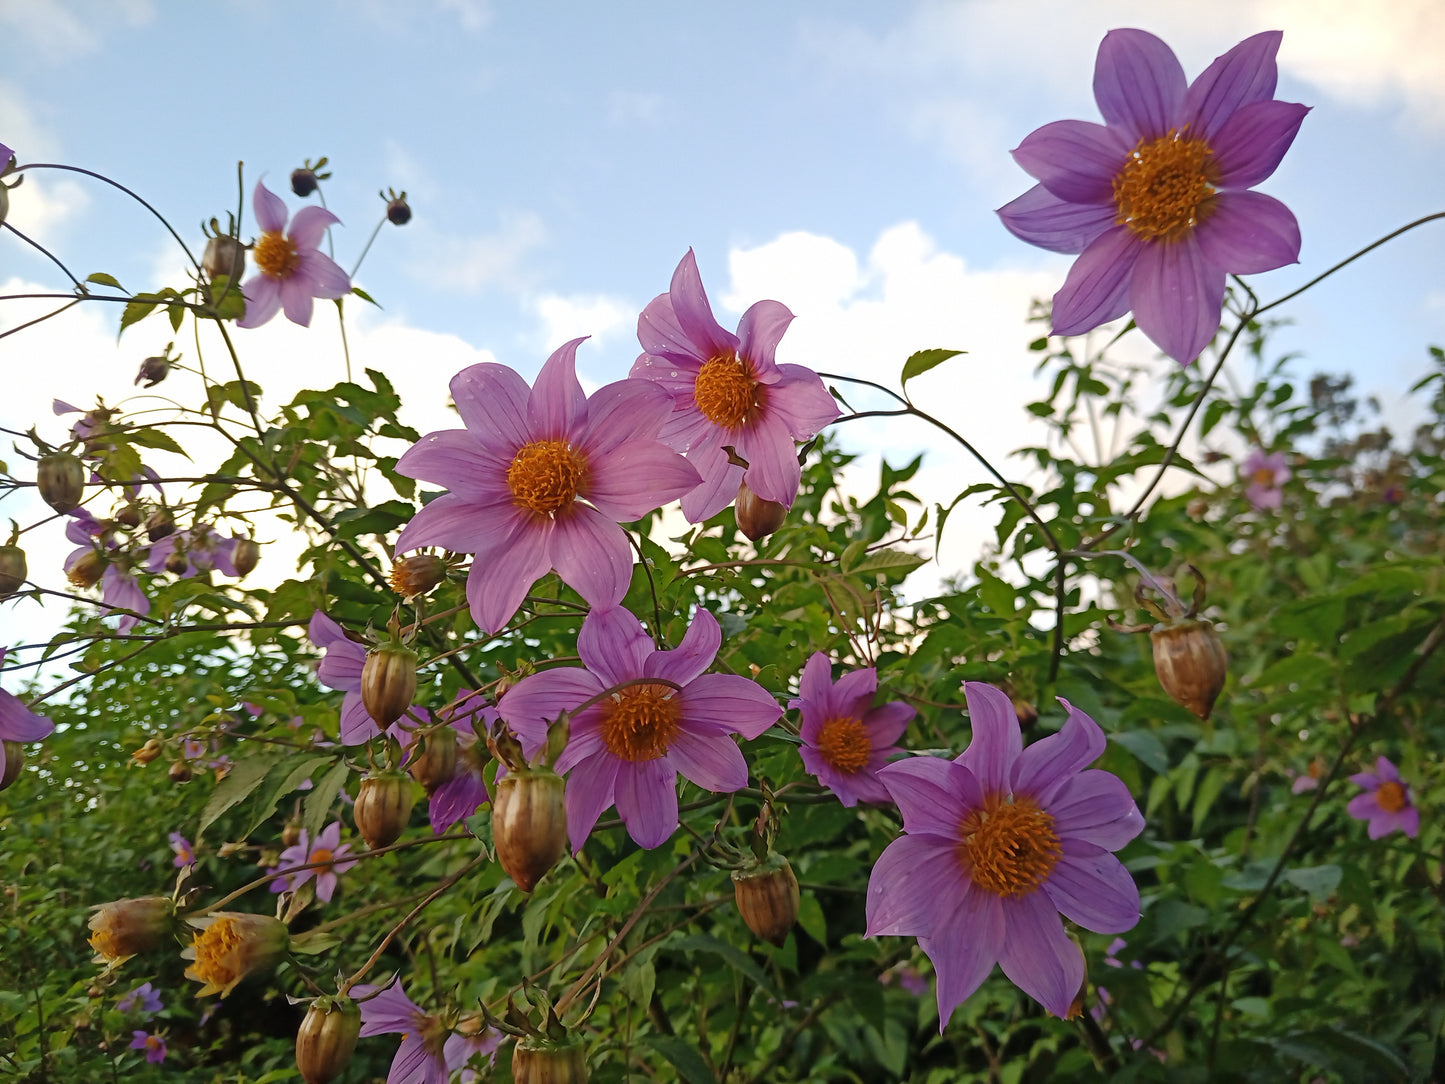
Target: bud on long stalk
{"x":768,"y":898}
{"x":436,"y":764}
{"x":529,"y":824}
{"x":327,"y":1039}
{"x":1191,"y":663}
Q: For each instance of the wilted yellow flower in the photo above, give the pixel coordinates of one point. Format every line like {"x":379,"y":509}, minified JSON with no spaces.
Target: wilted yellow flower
{"x":121,"y":929}
{"x":231,"y":946}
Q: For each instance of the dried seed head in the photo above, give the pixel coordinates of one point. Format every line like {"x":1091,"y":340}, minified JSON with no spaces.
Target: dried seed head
{"x":538,"y":1060}
{"x":768,"y":898}
{"x":758,"y":517}
{"x":529,"y":824}
{"x":13,"y":570}
{"x":60,"y":477}
{"x":245,"y":556}
{"x":1191,"y":663}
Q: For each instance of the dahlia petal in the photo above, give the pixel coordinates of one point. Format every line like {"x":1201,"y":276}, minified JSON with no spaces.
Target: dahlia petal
{"x":342,"y":666}
{"x":852,"y":694}
{"x":691,"y":658}
{"x":412,"y":1063}
{"x":591,"y":554}
{"x":613,"y":645}
{"x":634,"y":478}
{"x":452,"y":522}
{"x":1076,"y":160}
{"x":1365,"y":779}
{"x":1381,"y":824}
{"x":815,"y":686}
{"x":1177,"y":298}
{"x":387,"y":1012}
{"x":453,"y":458}
{"x":1041,"y":218}
{"x":557,"y":407}
{"x":536,"y":701}
{"x":663,"y":341}
{"x":646,"y":796}
{"x":933,"y":794}
{"x":322,"y":275}
{"x":718,"y":488}
{"x":694,"y":314}
{"x":1408,"y":820}
{"x":887,"y":723}
{"x":296,"y":301}
{"x":492,"y":400}
{"x":19,"y":723}
{"x":1139,"y":85}
{"x":1090,"y":886}
{"x":1096,"y":807}
{"x":964,"y":950}
{"x":686,"y":427}
{"x":774,"y":472}
{"x":915,"y":884}
{"x":1037,"y":955}
{"x":1249,"y":232}
{"x":622,"y":412}
{"x":455,"y":800}
{"x":263,"y":300}
{"x":1365,"y":807}
{"x":590,"y":789}
{"x":1097,"y":287}
{"x":730,"y":702}
{"x":1252,"y":142}
{"x":758,"y":333}
{"x":1387,"y":770}
{"x":270,"y":209}
{"x":309,"y":226}
{"x":997,"y":740}
{"x":322,"y":630}
{"x":1246,"y":74}
{"x":497,"y":586}
{"x":584,"y":739}
{"x":357,"y":725}
{"x":801,"y":402}
{"x":1049,"y":764}
{"x":712,"y":761}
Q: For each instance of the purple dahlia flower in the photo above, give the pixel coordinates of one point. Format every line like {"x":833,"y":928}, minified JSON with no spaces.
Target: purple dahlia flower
{"x":329,"y":849}
{"x":630,"y":747}
{"x":845,"y":738}
{"x":143,"y":999}
{"x":1266,"y":475}
{"x":17,"y":722}
{"x":1386,"y":802}
{"x":202,"y":546}
{"x":728,"y":392}
{"x":999,"y":843}
{"x":540,"y":478}
{"x":1155,"y":200}
{"x":428,"y":1053}
{"x":293,"y":270}
{"x":119,"y":589}
{"x":153,"y":1045}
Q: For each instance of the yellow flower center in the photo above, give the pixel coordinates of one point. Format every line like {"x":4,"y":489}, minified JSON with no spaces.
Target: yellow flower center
{"x":845,"y":745}
{"x":545,"y":476}
{"x":216,"y":957}
{"x":1316,"y":770}
{"x":1391,"y":796}
{"x":276,"y":255}
{"x":1166,"y":187}
{"x":640,"y":721}
{"x":725,"y":391}
{"x":103,"y":940}
{"x":1264,"y":476}
{"x":1009,"y":846}
{"x":154,"y":1042}
{"x":321,"y":854}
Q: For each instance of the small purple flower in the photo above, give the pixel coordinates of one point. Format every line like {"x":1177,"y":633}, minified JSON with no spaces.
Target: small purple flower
{"x":329,"y":849}
{"x":845,"y":738}
{"x":1266,"y":475}
{"x":203,"y":548}
{"x":119,"y":589}
{"x":17,"y":722}
{"x":540,"y":478}
{"x":185,"y":853}
{"x":428,"y":1053}
{"x":999,"y":844}
{"x":729,"y":392}
{"x":630,"y":747}
{"x":1309,"y":779}
{"x":341,"y":669}
{"x":463,"y":794}
{"x":1386,"y":802}
{"x":143,"y":999}
{"x":1155,"y":200}
{"x":293,"y":271}
{"x":153,"y":1045}
{"x":5,"y":155}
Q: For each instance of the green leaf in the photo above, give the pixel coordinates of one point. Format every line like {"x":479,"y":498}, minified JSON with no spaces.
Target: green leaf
{"x":284,"y":778}
{"x":359,"y":292}
{"x":684,"y":1057}
{"x":919,"y":363}
{"x":1318,"y":881}
{"x":1147,"y":749}
{"x":895,"y":561}
{"x":733,"y":957}
{"x":244,"y":777}
{"x":135,"y":312}
{"x":154,"y":438}
{"x":810,"y":917}
{"x":317,"y":806}
{"x":104,"y":279}
{"x":852,"y":554}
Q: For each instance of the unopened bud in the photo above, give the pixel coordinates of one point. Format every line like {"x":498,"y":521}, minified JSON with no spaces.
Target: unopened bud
{"x":539,"y":1060}
{"x":758,"y":517}
{"x":224,"y":257}
{"x":383,"y":808}
{"x":230,"y":945}
{"x":121,"y":929}
{"x":291,"y":834}
{"x":303,"y":182}
{"x":177,"y":562}
{"x":417,"y":574}
{"x":768,"y":898}
{"x":388,"y":683}
{"x":60,"y":477}
{"x":529,"y":824}
{"x":153,"y":370}
{"x":398,"y":211}
{"x":160,"y":525}
{"x":180,"y":772}
{"x":128,"y":515}
{"x":327,"y":1039}
{"x":245,"y":556}
{"x":13,"y":570}
{"x":436,"y":764}
{"x":1191,"y":663}
{"x":148,"y":752}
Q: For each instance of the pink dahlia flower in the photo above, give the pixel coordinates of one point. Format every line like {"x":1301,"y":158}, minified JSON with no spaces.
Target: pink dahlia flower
{"x":630,"y":747}
{"x":329,"y":849}
{"x":202,"y":546}
{"x":17,"y":722}
{"x":429,"y":1053}
{"x":999,"y":843}
{"x":185,"y":853}
{"x":1386,"y":802}
{"x":540,"y":478}
{"x":845,"y":738}
{"x":341,"y":669}
{"x":292,"y":269}
{"x":119,"y":589}
{"x":728,"y":392}
{"x":1155,"y":200}
{"x":1266,"y":475}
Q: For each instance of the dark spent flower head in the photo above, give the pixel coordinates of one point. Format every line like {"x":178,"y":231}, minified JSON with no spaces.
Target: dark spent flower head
{"x":398,"y":211}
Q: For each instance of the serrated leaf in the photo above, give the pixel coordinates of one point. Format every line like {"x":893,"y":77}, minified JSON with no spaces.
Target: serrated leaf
{"x":895,"y":561}
{"x":317,"y":806}
{"x":284,"y":778}
{"x":920,"y":362}
{"x":244,"y":777}
{"x":154,"y":438}
{"x":134,"y":312}
{"x":852,"y":554}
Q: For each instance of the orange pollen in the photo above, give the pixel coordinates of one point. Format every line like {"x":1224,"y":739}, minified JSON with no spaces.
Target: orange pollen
{"x":639,"y":722}
{"x":1316,"y":770}
{"x":845,"y":745}
{"x":1009,"y":846}
{"x":1264,"y":477}
{"x":276,"y":255}
{"x":725,"y":391}
{"x":1391,"y":796}
{"x":321,"y":854}
{"x":545,"y":476}
{"x":215,"y":951}
{"x":1166,"y":187}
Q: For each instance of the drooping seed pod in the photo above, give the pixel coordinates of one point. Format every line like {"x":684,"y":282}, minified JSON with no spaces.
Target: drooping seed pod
{"x":327,"y":1039}
{"x":148,"y":752}
{"x":383,"y":807}
{"x":13,"y":570}
{"x":177,"y":562}
{"x":128,"y":515}
{"x":245,"y":556}
{"x":60,"y":477}
{"x":529,"y":824}
{"x":226,"y":256}
{"x":14,"y":762}
{"x":1191,"y":663}
{"x":436,"y":764}
{"x":123,"y":928}
{"x":758,"y":517}
{"x":291,"y":834}
{"x":537,"y":1060}
{"x":153,"y":370}
{"x":303,"y":181}
{"x":87,"y":570}
{"x":388,"y":682}
{"x":160,"y":524}
{"x":417,"y":574}
{"x":768,"y":898}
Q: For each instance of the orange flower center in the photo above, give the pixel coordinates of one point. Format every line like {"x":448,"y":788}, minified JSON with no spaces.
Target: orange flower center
{"x":1008,"y":846}
{"x":154,"y":1042}
{"x":1391,"y":796}
{"x":1264,"y":476}
{"x":1316,"y":770}
{"x":321,"y":854}
{"x":1165,"y":188}
{"x":725,"y":392}
{"x":639,"y":721}
{"x":545,"y":476}
{"x":845,"y":745}
{"x":216,"y":955}
{"x":276,"y":255}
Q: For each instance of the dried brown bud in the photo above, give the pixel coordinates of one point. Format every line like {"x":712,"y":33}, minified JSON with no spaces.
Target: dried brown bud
{"x":388,"y":683}
{"x":1191,"y":663}
{"x":177,"y":562}
{"x":303,"y":182}
{"x":148,"y":752}
{"x":13,"y":570}
{"x":537,"y":1060}
{"x":327,"y":1039}
{"x":159,"y":525}
{"x":417,"y":574}
{"x":121,"y":929}
{"x":245,"y":556}
{"x":383,"y":807}
{"x":128,"y":515}
{"x":757,"y":517}
{"x":180,"y":772}
{"x":529,"y":824}
{"x":291,"y":834}
{"x":224,"y":256}
{"x":437,"y":762}
{"x":767,"y":897}
{"x":60,"y":477}
{"x":153,"y":370}
{"x":87,"y":570}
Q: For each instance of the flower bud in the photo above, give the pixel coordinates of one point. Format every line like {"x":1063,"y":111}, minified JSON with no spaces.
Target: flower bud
{"x":757,"y":517}
{"x":128,"y":515}
{"x":231,"y":945}
{"x":148,"y":752}
{"x":767,"y":897}
{"x":13,"y":570}
{"x":291,"y":834}
{"x":121,"y":929}
{"x":87,"y":570}
{"x":388,"y":682}
{"x":383,"y":807}
{"x":398,"y":211}
{"x":1191,"y":663}
{"x":417,"y":574}
{"x":14,"y":762}
{"x":177,"y":562}
{"x":537,"y":1060}
{"x":153,"y":370}
{"x":303,"y":182}
{"x":180,"y":772}
{"x":160,"y":525}
{"x":529,"y":824}
{"x":61,"y":479}
{"x":224,"y":256}
{"x":327,"y":1039}
{"x":245,"y":556}
{"x":437,"y":762}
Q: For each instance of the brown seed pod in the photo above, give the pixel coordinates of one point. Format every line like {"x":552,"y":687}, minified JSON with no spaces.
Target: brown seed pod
{"x":245,"y":556}
{"x":180,"y":772}
{"x":529,"y":824}
{"x":383,"y":807}
{"x":291,"y":834}
{"x":388,"y":683}
{"x":159,"y":524}
{"x":758,"y":517}
{"x":417,"y":574}
{"x":767,"y":897}
{"x":327,"y":1039}
{"x":436,"y":764}
{"x":224,"y":255}
{"x":60,"y":477}
{"x":128,"y":515}
{"x":13,"y":570}
{"x":1191,"y":663}
{"x":536,"y":1060}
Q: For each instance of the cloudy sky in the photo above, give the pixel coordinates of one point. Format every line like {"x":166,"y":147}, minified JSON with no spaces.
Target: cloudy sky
{"x":843,"y":157}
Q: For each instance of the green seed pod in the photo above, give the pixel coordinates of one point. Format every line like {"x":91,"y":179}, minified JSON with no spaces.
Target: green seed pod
{"x":61,"y":479}
{"x":13,"y":570}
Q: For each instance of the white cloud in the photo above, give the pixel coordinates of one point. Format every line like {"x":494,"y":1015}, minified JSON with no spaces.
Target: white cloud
{"x":471,"y":15}
{"x":597,"y":315}
{"x":467,"y":264}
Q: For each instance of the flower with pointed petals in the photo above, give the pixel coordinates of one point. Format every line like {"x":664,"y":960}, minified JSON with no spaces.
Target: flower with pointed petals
{"x":845,"y":738}
{"x":341,"y":669}
{"x":143,"y":998}
{"x":463,"y":794}
{"x":1386,"y":802}
{"x":1155,"y":201}
{"x":292,"y":269}
{"x":203,"y":548}
{"x":428,"y":1053}
{"x":119,"y":589}
{"x":329,"y":849}
{"x":153,"y":1045}
{"x":185,"y":853}
{"x":1266,"y":475}
{"x":17,"y":722}
{"x":999,"y":843}
{"x":630,"y":747}
{"x":540,"y":478}
{"x":728,"y":392}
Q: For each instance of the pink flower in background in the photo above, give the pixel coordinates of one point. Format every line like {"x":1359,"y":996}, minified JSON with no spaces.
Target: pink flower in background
{"x":1155,"y":200}
{"x":630,"y":747}
{"x":845,"y":738}
{"x":341,"y":669}
{"x":153,"y":1045}
{"x":119,"y":589}
{"x":1000,"y":843}
{"x":185,"y":853}
{"x":728,"y":391}
{"x":540,"y":478}
{"x":329,"y":849}
{"x":293,"y":271}
{"x":1309,"y":779}
{"x":1386,"y":802}
{"x":428,"y":1053}
{"x":17,"y":722}
{"x":1266,"y":476}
